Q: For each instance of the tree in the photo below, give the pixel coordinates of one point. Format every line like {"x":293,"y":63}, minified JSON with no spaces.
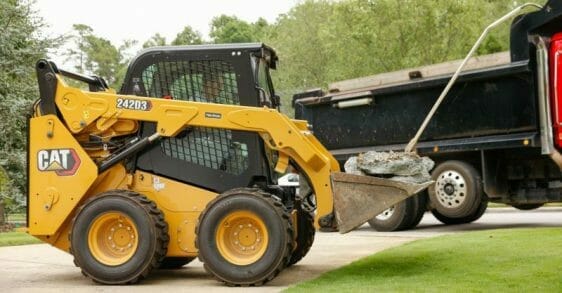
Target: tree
{"x":301,"y":38}
{"x":188,"y":36}
{"x":325,"y":41}
{"x":231,"y":29}
{"x":155,"y":40}
{"x":96,"y":55}
{"x":21,"y":45}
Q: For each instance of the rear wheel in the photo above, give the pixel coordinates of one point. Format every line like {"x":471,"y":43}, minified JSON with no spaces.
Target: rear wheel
{"x":171,"y":263}
{"x":457,"y":196}
{"x":118,"y":237}
{"x":244,"y":237}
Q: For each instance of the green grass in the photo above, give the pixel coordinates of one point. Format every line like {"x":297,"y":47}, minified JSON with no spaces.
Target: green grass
{"x":17,"y":238}
{"x":520,"y":260}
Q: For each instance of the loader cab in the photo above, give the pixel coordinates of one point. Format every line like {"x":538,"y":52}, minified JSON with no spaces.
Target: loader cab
{"x":214,"y":159}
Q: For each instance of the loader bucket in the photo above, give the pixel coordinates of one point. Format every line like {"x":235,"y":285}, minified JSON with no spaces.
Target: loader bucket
{"x":359,"y":198}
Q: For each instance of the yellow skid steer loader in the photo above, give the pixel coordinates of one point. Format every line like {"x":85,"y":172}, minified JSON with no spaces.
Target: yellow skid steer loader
{"x":183,"y":163}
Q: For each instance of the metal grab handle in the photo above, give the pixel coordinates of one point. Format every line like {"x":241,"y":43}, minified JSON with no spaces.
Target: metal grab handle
{"x":453,"y":79}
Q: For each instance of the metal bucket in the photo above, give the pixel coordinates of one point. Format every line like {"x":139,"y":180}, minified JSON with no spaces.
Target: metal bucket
{"x":359,"y":198}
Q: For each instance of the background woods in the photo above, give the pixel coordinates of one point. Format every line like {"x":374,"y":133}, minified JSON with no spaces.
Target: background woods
{"x":318,"y":42}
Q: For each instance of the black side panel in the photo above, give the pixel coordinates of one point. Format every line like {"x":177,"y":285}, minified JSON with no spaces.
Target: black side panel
{"x":494,"y":102}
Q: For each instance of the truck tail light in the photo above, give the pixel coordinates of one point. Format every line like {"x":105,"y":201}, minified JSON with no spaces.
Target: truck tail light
{"x":556,"y":87}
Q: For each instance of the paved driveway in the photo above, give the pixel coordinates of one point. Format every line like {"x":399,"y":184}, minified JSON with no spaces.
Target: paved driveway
{"x":43,"y":268}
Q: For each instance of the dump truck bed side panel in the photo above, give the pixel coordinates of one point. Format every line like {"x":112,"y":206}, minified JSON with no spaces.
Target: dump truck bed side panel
{"x":495,"y":101}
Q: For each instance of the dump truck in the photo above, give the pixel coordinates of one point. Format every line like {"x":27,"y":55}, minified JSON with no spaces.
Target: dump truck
{"x":495,"y":138}
{"x":182,"y":163}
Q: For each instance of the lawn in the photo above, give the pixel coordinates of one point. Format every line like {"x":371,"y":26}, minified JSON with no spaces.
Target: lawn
{"x":17,"y":238}
{"x":520,"y":260}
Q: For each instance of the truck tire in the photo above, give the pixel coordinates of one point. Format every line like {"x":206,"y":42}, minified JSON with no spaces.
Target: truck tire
{"x":118,"y":237}
{"x":244,"y":237}
{"x":527,"y":206}
{"x":457,"y":196}
{"x":420,"y":211}
{"x":305,"y":235}
{"x":396,"y":218}
{"x":172,"y":263}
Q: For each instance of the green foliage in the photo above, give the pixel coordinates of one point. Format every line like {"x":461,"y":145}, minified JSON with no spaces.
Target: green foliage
{"x":325,"y":41}
{"x":155,"y":40}
{"x":21,"y":45}
{"x":521,"y":260}
{"x":97,"y":55}
{"x":301,"y":39}
{"x":188,"y":36}
{"x":230,"y":29}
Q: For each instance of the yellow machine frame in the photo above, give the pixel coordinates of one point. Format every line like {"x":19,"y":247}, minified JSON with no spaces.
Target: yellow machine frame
{"x":53,"y":199}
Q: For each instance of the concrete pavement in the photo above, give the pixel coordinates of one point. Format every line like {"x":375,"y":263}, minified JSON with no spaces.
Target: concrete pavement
{"x":43,"y":268}
{"x":46,"y":269}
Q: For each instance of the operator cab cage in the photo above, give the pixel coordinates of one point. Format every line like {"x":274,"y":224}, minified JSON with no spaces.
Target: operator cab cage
{"x":210,"y":73}
{"x":233,"y":74}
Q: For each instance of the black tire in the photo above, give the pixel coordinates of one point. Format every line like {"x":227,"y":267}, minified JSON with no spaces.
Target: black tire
{"x":480,"y":212}
{"x":468,"y":219}
{"x":420,"y":210}
{"x":265,"y":208}
{"x":397,"y":217}
{"x":151,"y":233}
{"x":305,"y":235}
{"x":172,"y":263}
{"x":457,"y":196}
{"x":527,"y":206}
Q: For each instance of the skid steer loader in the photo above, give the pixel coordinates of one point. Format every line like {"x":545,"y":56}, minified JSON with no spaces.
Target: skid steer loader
{"x":183,"y":163}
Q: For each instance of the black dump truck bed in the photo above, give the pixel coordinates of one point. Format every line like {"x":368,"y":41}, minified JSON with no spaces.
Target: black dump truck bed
{"x":497,"y":102}
{"x":491,"y":107}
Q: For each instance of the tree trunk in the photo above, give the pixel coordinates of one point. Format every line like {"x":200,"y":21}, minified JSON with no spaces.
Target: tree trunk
{"x":2,"y":218}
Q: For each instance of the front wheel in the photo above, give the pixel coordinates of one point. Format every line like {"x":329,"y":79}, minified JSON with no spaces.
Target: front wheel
{"x":244,"y":237}
{"x":118,"y":237}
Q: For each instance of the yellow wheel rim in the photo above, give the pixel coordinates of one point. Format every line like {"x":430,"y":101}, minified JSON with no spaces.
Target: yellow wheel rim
{"x":242,"y":238}
{"x":113,"y":238}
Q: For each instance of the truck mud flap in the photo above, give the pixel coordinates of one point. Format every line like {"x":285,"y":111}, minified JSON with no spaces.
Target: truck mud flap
{"x":359,"y":198}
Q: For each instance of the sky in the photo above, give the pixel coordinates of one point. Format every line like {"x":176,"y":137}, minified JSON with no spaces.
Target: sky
{"x":118,"y":20}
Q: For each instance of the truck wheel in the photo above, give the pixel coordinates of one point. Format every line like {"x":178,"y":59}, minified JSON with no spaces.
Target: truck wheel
{"x":527,"y":206}
{"x":396,"y":218}
{"x":420,"y":210}
{"x":118,"y":237}
{"x":244,"y":237}
{"x":457,"y":196}
{"x":172,"y":263}
{"x":305,"y":235}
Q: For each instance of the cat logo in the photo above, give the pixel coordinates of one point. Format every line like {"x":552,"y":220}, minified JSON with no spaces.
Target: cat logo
{"x":64,"y":162}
